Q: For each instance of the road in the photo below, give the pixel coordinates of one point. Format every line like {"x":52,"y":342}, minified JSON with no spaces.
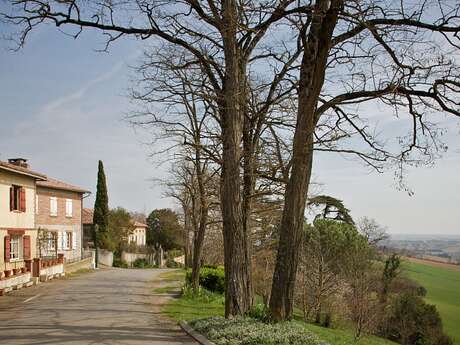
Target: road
{"x":110,"y":306}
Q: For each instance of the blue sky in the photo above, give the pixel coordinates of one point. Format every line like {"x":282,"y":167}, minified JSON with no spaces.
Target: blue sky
{"x":62,"y":106}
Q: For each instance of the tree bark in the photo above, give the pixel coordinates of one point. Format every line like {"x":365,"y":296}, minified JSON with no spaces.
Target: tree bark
{"x":312,"y":72}
{"x":237,"y":270}
{"x":199,"y":236}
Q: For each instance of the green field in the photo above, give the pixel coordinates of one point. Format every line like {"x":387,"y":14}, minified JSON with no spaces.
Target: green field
{"x":443,"y":286}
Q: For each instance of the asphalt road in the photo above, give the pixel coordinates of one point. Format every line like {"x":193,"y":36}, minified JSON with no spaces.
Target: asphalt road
{"x":110,"y":306}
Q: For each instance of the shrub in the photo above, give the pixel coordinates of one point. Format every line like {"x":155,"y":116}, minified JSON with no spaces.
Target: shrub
{"x":411,"y":321}
{"x":170,"y":263}
{"x":142,"y":263}
{"x":202,"y":295}
{"x":258,"y":312}
{"x":212,"y":279}
{"x":117,"y":262}
{"x":247,"y":331}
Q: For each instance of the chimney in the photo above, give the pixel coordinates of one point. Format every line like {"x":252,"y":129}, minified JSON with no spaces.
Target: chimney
{"x":20,"y":162}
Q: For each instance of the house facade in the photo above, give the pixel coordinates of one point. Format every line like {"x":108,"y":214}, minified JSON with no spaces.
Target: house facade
{"x":138,"y":236}
{"x":59,"y":219}
{"x":18,"y":230}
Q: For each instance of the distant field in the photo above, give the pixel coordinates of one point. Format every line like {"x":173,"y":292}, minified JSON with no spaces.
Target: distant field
{"x":443,"y":285}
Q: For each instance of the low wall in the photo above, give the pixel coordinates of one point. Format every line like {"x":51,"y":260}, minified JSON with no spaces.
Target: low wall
{"x":51,"y":272}
{"x":105,"y":257}
{"x":12,"y":282}
{"x":129,"y":258}
{"x":79,"y":265}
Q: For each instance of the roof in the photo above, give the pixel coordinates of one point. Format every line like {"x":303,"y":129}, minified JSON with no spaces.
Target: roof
{"x":87,"y":216}
{"x":56,"y":184}
{"x":140,"y":225}
{"x":21,"y":170}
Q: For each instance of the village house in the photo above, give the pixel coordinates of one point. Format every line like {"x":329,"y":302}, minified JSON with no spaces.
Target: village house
{"x":138,"y":236}
{"x":87,"y":220}
{"x":17,"y":216}
{"x":59,"y":219}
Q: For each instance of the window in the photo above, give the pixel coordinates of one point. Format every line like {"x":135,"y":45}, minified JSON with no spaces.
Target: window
{"x":51,"y":240}
{"x":68,"y":207}
{"x":17,"y":198}
{"x":66,"y":240}
{"x":15,"y":247}
{"x":53,"y":206}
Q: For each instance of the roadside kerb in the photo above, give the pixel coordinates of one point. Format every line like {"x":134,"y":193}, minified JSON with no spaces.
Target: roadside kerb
{"x":194,"y":334}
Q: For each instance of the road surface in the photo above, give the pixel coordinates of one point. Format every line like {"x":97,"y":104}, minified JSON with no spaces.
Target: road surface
{"x":110,"y":306}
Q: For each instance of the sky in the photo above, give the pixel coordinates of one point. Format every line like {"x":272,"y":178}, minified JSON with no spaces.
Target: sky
{"x":62,"y":106}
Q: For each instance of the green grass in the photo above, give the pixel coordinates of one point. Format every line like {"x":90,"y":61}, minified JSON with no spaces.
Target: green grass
{"x":172,"y":276}
{"x":443,"y":286}
{"x":166,"y":289}
{"x":344,"y":336}
{"x":186,"y":308}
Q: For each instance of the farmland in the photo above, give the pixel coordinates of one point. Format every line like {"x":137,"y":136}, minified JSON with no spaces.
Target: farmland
{"x":443,"y":286}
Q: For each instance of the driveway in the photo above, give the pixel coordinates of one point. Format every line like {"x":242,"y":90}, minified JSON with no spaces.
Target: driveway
{"x":109,"y":306}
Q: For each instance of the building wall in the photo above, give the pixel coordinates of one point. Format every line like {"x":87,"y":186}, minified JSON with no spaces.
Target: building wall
{"x":138,"y":237}
{"x":10,"y":220}
{"x":14,"y":219}
{"x":60,"y":222}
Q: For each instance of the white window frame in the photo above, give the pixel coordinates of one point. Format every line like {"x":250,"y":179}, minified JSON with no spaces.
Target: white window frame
{"x":68,"y":208}
{"x":16,"y":247}
{"x":67,"y":241}
{"x":51,"y":240}
{"x":53,"y":206}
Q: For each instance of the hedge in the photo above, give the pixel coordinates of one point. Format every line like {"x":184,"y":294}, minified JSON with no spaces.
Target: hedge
{"x":211,"y":278}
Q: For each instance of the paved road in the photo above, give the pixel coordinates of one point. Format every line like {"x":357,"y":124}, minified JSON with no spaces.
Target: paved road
{"x":111,"y":306}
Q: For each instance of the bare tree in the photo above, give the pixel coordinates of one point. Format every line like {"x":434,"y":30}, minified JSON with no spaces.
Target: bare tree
{"x":377,"y":52}
{"x":340,"y":56}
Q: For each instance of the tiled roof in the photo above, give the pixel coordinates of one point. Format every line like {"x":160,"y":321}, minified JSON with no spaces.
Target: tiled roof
{"x":55,"y":184}
{"x":140,"y":225}
{"x":21,"y":170}
{"x":87,"y":216}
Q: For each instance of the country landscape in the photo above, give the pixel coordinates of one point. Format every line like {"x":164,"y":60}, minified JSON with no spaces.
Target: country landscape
{"x":229,"y":172}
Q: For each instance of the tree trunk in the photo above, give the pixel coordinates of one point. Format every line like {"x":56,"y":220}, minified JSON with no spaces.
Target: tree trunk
{"x":237,"y":270}
{"x":248,"y":183}
{"x":187,"y":246}
{"x":312,"y":72}
{"x":199,"y":236}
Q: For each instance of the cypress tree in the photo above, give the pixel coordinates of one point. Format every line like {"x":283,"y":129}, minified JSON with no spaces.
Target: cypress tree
{"x":101,"y":212}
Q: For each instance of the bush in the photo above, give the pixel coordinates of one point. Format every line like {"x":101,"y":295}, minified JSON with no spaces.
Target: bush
{"x":411,"y":321}
{"x":202,"y":295}
{"x":247,"y":331}
{"x":212,"y":279}
{"x":258,"y":312}
{"x":142,"y":263}
{"x":117,"y":262}
{"x":170,"y":263}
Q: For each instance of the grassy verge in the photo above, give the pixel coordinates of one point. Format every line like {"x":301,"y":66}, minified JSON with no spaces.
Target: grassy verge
{"x":166,"y":289}
{"x":209,"y":305}
{"x":172,"y":276}
{"x":79,"y":272}
{"x":443,"y":286}
{"x":189,"y":308}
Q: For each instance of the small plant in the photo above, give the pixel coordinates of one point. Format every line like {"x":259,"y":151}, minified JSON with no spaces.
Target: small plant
{"x":212,"y":279}
{"x":258,"y":312}
{"x":117,"y":262}
{"x":170,"y":263}
{"x":248,"y":331}
{"x":142,"y":263}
